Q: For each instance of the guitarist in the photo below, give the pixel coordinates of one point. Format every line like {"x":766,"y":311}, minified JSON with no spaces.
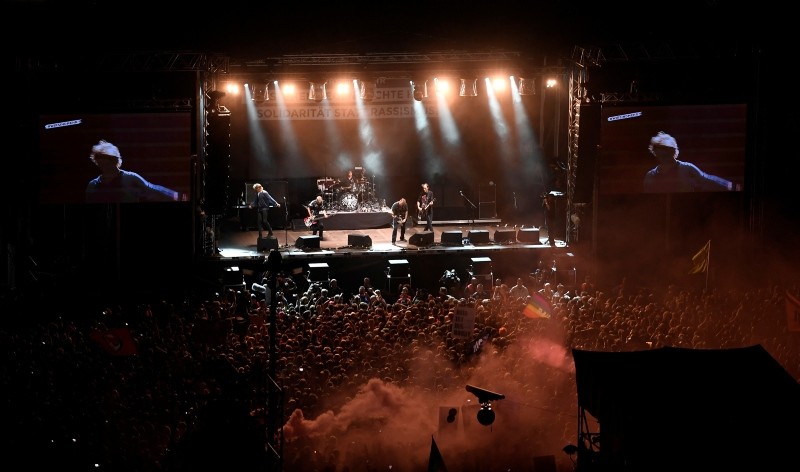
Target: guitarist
{"x":425,"y":206}
{"x":399,"y":217}
{"x":316,"y":212}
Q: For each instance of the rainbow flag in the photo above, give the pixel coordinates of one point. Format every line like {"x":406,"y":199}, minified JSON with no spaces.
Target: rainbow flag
{"x":538,"y":307}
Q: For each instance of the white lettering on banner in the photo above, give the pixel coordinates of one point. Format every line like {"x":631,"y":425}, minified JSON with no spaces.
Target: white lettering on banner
{"x":339,"y":112}
{"x":387,"y":103}
{"x":463,"y":321}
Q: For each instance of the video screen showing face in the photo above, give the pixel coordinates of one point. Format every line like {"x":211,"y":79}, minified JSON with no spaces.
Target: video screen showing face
{"x":670,"y":149}
{"x":114,"y":157}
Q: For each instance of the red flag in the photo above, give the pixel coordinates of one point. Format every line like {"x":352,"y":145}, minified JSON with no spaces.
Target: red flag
{"x":435,"y":460}
{"x":792,"y":312}
{"x":538,"y":307}
{"x":117,"y":341}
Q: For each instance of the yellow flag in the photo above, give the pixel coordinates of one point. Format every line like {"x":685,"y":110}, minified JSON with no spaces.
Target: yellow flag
{"x":700,"y":259}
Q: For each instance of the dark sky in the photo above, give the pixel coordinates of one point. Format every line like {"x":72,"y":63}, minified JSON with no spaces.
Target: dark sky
{"x":267,"y":28}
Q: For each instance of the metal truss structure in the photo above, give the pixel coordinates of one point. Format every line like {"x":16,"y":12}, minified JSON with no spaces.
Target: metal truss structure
{"x":395,"y":65}
{"x":161,"y":61}
{"x":609,"y":55}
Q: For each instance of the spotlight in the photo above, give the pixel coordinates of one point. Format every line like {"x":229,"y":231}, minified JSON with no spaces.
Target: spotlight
{"x":367,"y":90}
{"x":420,"y":88}
{"x":527,"y":86}
{"x":259,"y":91}
{"x":469,"y":88}
{"x":316,"y":91}
{"x":485,"y":414}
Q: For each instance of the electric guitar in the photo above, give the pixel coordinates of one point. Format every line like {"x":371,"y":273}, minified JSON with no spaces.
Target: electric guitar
{"x":423,"y":212}
{"x":309,"y":220}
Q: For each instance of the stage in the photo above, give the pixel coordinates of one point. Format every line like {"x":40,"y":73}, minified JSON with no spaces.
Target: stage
{"x":488,"y":249}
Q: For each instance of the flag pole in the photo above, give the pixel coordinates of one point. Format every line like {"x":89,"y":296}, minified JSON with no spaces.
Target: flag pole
{"x":708,"y":263}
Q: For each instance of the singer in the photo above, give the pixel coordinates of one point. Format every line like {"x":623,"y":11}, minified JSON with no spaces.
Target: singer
{"x":262,"y":202}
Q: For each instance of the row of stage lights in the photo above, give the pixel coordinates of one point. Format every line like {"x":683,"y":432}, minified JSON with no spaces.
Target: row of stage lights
{"x":345,"y":89}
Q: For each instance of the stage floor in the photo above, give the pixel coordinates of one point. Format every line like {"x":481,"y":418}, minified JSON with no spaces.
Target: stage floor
{"x":239,"y":244}
{"x":469,"y":249}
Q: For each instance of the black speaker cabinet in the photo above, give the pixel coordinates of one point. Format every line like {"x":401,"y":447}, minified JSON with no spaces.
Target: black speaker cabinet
{"x":319,"y":272}
{"x":399,"y":268}
{"x":528,"y":235}
{"x":423,"y":238}
{"x":359,"y":240}
{"x":267,"y":244}
{"x":505,"y":235}
{"x":307,"y":242}
{"x":481,"y":266}
{"x":232,"y":276}
{"x":478,"y":236}
{"x":452,"y":238}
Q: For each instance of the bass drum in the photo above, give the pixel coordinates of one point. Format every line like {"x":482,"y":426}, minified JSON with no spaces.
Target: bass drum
{"x":348,"y":202}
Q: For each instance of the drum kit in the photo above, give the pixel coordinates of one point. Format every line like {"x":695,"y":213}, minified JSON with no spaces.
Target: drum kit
{"x":358,"y":195}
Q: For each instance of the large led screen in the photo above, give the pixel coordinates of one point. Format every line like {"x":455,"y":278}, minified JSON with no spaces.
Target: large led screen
{"x":672,"y":148}
{"x":114,"y":157}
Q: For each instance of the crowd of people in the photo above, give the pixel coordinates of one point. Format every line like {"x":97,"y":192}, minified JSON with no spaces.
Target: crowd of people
{"x":182,"y":384}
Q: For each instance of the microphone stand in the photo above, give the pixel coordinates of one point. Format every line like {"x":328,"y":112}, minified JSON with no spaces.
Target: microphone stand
{"x":285,"y":223}
{"x":472,"y":210}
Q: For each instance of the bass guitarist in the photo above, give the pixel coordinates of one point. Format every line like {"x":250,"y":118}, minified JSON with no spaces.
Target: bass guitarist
{"x":399,"y":217}
{"x":316,"y":213}
{"x":425,"y":206}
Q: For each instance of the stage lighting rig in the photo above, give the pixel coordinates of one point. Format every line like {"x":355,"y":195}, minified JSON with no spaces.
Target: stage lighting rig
{"x":485,"y":397}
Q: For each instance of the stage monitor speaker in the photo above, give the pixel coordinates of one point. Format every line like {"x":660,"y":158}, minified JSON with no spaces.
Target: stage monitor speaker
{"x":529,"y":235}
{"x":505,"y":235}
{"x":359,"y":240}
{"x":307,"y":242}
{"x":478,"y":236}
{"x":267,"y":244}
{"x":423,"y":238}
{"x":452,"y":238}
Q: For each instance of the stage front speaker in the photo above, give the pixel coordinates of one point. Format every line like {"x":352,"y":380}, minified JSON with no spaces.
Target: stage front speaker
{"x":505,"y":235}
{"x":359,"y":240}
{"x":423,"y":238}
{"x":266,"y":244}
{"x":478,"y":236}
{"x":529,"y":235}
{"x":307,"y":242}
{"x":452,"y":238}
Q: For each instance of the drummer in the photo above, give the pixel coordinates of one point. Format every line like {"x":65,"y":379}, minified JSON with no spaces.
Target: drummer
{"x":349,"y":182}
